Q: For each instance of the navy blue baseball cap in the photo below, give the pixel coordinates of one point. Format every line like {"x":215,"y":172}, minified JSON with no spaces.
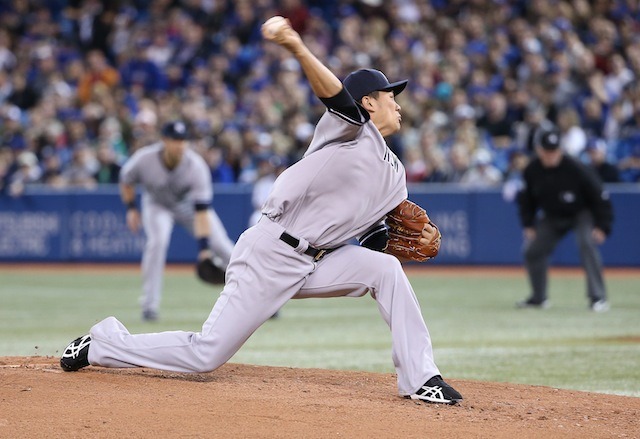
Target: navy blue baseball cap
{"x":362,"y":82}
{"x":549,"y":140}
{"x":176,"y":130}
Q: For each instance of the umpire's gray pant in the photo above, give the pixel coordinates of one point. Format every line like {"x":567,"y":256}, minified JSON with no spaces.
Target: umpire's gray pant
{"x":549,"y":231}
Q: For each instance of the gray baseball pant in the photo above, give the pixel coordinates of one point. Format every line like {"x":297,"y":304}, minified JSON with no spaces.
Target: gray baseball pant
{"x":264,"y":273}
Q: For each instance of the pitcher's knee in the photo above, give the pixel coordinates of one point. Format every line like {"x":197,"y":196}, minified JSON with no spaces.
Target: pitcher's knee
{"x":389,"y":268}
{"x":207,"y":357}
{"x":204,"y":364}
{"x":204,"y":367}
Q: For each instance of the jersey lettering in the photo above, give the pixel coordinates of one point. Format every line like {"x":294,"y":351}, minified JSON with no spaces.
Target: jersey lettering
{"x":391,"y":158}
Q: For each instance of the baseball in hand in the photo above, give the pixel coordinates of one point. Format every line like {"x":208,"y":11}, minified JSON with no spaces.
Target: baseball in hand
{"x":273,"y":26}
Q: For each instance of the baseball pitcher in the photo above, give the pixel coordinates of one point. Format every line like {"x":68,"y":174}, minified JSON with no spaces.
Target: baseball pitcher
{"x":343,"y":188}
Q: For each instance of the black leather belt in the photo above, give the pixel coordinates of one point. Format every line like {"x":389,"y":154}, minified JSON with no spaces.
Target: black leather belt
{"x":315,"y":253}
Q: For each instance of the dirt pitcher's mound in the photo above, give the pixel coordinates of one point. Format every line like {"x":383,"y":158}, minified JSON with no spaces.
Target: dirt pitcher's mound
{"x":37,"y":399}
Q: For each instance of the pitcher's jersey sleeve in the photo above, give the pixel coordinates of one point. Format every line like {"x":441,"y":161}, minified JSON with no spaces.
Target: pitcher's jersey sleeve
{"x":341,"y":123}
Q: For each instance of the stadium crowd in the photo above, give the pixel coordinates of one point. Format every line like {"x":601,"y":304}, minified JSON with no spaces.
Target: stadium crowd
{"x":84,"y":83}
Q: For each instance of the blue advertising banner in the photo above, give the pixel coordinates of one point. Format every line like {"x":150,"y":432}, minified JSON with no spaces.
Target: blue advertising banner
{"x":478,"y":227}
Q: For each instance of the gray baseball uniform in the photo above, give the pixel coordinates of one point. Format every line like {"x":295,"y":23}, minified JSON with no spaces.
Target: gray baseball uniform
{"x":169,"y":196}
{"x":345,"y":184}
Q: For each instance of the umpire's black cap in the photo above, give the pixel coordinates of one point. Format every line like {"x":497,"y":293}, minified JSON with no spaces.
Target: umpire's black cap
{"x":176,"y":130}
{"x":362,"y":82}
{"x":549,"y":140}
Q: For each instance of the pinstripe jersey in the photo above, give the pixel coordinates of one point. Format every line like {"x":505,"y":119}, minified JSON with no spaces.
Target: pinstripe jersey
{"x":188,"y":183}
{"x":346,"y":182}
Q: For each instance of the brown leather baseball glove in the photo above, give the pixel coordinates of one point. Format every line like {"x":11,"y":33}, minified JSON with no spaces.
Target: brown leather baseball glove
{"x":408,"y":239}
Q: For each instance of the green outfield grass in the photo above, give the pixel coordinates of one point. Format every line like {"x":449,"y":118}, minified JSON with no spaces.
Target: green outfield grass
{"x":476,"y":331}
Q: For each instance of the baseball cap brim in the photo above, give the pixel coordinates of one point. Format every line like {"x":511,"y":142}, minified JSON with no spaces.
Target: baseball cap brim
{"x":396,"y":87}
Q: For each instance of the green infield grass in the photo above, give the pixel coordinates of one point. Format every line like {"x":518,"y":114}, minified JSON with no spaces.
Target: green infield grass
{"x":477,"y":332}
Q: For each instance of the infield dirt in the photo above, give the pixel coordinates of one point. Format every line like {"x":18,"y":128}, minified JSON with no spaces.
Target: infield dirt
{"x":39,"y":400}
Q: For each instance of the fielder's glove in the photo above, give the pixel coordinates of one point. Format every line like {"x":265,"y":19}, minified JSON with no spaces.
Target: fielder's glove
{"x":405,"y":224}
{"x":209,"y":272}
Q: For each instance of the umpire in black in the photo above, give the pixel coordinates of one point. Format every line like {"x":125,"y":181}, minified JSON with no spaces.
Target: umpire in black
{"x":561,"y":194}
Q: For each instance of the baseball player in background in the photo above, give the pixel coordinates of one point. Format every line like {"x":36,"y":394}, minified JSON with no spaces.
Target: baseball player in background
{"x":177,"y":187}
{"x":343,"y":187}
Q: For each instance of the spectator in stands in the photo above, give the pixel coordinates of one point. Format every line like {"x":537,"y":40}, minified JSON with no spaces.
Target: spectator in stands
{"x":594,"y":117}
{"x":513,"y":180}
{"x":465,"y":133}
{"x":629,"y":164}
{"x":52,"y":169}
{"x":415,"y":165}
{"x":23,"y":94}
{"x":80,"y":172}
{"x":496,"y":121}
{"x":221,"y":171}
{"x":108,"y":170}
{"x":573,"y":139}
{"x":535,"y":119}
{"x":204,"y":61}
{"x":597,"y":152}
{"x":144,"y":130}
{"x":482,"y":173}
{"x":28,"y":172}
{"x":139,"y":75}
{"x":11,"y":132}
{"x":459,"y":163}
{"x":98,"y":72}
{"x":618,"y":77}
{"x":44,"y":69}
{"x":8,"y":59}
{"x":435,"y":160}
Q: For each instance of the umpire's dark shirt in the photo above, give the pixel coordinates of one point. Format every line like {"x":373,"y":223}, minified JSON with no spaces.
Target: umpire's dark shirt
{"x":562,"y":192}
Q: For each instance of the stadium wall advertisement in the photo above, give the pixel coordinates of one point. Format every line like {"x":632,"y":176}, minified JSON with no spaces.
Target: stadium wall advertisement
{"x":479,"y":227}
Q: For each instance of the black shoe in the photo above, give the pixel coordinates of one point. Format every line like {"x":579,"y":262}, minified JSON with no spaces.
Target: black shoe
{"x":437,"y":391}
{"x":76,"y":355}
{"x":149,"y":316}
{"x":532,"y":303}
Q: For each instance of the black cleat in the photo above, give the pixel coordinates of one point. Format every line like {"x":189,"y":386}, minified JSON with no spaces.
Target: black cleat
{"x":531,"y":303}
{"x":76,"y":355}
{"x":436,"y":390}
{"x":149,"y":315}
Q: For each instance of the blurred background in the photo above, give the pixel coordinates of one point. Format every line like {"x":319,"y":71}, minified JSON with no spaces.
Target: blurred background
{"x":84,"y":84}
